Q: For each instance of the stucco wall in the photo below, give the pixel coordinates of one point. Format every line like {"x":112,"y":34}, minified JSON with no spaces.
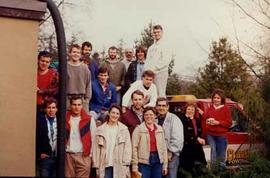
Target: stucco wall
{"x":18,"y":51}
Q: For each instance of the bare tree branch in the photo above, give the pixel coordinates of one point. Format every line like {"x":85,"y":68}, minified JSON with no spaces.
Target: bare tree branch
{"x":266,"y":2}
{"x":241,"y":57}
{"x":43,"y":21}
{"x":263,"y":11}
{"x":250,"y":16}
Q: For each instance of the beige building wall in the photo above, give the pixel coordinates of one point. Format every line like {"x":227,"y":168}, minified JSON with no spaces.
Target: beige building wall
{"x":18,"y":67}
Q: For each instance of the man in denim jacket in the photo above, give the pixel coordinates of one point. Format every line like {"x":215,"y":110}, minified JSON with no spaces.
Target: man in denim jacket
{"x":174,"y":134}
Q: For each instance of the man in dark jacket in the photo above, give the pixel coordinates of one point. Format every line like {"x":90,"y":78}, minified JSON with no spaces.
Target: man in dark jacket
{"x":46,"y":139}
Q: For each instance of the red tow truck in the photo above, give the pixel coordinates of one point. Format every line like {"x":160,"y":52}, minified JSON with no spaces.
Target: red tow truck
{"x":240,"y":142}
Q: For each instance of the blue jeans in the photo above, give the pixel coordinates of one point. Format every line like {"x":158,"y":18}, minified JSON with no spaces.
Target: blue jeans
{"x":154,"y":169}
{"x":47,"y":167}
{"x":218,"y":146}
{"x":118,"y":97}
{"x":108,"y":172}
{"x":173,"y":167}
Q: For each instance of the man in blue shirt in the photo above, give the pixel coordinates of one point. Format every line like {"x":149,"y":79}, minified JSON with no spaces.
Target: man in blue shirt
{"x":104,"y":94}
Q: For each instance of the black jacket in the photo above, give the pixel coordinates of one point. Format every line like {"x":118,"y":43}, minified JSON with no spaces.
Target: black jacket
{"x":42,"y":139}
{"x":189,"y":133}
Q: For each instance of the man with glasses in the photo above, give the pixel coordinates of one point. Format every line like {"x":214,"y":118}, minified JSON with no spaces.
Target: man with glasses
{"x":128,"y":57}
{"x":174,"y":134}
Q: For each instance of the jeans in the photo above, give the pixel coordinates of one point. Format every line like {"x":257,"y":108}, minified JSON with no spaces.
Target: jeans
{"x":173,"y":167}
{"x":154,"y":169}
{"x":108,"y":172}
{"x":218,"y":146}
{"x":47,"y":167}
{"x":118,"y":97}
{"x":99,"y":116}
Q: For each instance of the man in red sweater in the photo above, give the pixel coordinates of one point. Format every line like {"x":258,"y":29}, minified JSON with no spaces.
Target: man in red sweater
{"x":134,"y":116}
{"x":47,"y":79}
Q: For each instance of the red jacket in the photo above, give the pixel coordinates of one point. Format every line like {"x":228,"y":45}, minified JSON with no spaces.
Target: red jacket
{"x":223,"y":115}
{"x":85,"y":133}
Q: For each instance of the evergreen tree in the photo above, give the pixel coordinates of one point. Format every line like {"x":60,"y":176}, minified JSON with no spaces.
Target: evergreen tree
{"x":173,"y":86}
{"x":147,"y":40}
{"x":146,"y":37}
{"x":121,"y":49}
{"x":225,"y":70}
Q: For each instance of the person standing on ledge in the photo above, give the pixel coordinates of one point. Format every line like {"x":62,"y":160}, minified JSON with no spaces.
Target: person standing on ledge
{"x":158,"y":60}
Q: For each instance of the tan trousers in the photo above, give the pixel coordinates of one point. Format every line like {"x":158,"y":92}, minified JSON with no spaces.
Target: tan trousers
{"x":77,"y":165}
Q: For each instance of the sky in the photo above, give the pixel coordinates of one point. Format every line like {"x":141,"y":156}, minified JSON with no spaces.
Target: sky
{"x":189,"y":25}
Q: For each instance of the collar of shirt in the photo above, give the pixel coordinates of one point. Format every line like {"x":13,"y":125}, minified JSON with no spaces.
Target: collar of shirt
{"x":149,"y":129}
{"x":139,"y":114}
{"x":218,"y":107}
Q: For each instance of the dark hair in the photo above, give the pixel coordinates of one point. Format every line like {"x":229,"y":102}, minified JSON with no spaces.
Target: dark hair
{"x":73,"y":46}
{"x":155,"y":27}
{"x":86,"y":43}
{"x":148,"y":73}
{"x":162,"y":99}
{"x":95,"y":55}
{"x":190,"y":104}
{"x":137,"y":92}
{"x":86,"y":59}
{"x":220,"y":93}
{"x":44,"y":54}
{"x":141,"y":49}
{"x":49,"y":101}
{"x":112,"y":48}
{"x":75,"y":97}
{"x":110,"y":109}
{"x":115,"y":106}
{"x":103,"y":70}
{"x":148,"y":108}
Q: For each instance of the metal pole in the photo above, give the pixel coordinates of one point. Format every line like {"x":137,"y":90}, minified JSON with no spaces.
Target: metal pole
{"x":61,"y":116}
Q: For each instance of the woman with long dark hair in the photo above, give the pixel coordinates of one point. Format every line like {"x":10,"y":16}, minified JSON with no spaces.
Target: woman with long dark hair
{"x":218,"y":122}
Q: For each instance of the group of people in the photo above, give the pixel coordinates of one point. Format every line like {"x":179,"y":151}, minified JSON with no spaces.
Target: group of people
{"x":118,"y":121}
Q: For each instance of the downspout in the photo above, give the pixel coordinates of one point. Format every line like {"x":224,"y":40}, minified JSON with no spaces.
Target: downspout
{"x":61,"y":116}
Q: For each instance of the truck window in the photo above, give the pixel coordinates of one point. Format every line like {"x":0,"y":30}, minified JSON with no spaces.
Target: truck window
{"x":239,"y":120}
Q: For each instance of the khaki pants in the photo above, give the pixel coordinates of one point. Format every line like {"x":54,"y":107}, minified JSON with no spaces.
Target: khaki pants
{"x":77,"y":165}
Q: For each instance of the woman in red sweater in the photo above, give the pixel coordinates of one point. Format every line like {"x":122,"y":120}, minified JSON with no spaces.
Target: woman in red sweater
{"x":218,"y":122}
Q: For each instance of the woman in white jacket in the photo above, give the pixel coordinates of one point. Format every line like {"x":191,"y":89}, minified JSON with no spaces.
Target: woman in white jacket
{"x":112,"y":154}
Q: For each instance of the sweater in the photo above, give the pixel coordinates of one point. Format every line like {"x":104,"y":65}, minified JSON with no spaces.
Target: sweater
{"x":158,"y":57}
{"x":79,"y":80}
{"x":47,"y":84}
{"x":223,"y":115}
{"x":131,"y":120}
{"x":117,"y":71}
{"x":150,"y":93}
